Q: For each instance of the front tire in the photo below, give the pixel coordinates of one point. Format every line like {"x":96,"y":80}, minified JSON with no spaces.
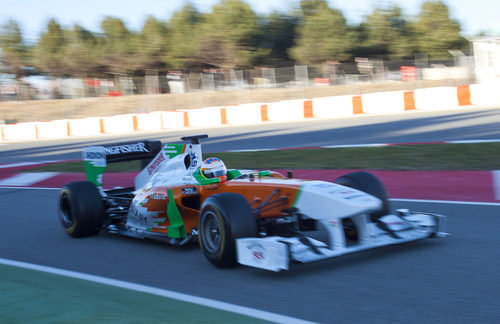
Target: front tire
{"x":369,"y":183}
{"x":81,"y":209}
{"x":223,"y":218}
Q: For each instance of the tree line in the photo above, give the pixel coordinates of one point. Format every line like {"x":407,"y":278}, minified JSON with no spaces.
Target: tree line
{"x":232,"y":35}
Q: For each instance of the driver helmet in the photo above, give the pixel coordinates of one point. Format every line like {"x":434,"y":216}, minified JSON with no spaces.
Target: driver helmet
{"x":213,"y":168}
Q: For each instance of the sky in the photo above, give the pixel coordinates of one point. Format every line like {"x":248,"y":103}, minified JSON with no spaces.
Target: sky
{"x":32,"y":15}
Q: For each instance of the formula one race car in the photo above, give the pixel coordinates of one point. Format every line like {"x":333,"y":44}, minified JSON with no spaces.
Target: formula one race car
{"x":256,"y":218}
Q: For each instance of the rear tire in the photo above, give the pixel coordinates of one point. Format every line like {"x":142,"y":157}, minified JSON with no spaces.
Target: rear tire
{"x":369,"y":183}
{"x":223,"y":218}
{"x":81,"y":209}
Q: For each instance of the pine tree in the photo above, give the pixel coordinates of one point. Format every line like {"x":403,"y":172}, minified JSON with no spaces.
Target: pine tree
{"x":184,"y":36}
{"x":119,"y":47}
{"x":153,"y":45}
{"x":49,"y":50}
{"x":323,"y":35}
{"x":81,"y":54}
{"x":13,"y":50}
{"x":436,"y":32}
{"x":230,"y":36}
{"x":389,"y":34}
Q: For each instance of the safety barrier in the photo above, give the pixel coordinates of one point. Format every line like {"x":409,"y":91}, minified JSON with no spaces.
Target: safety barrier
{"x":390,"y":102}
{"x":148,"y":122}
{"x":287,"y":110}
{"x":384,"y":102}
{"x":245,"y":114}
{"x":172,"y":119}
{"x":485,"y":94}
{"x":440,"y":98}
{"x":90,"y":126}
{"x":119,"y":124}
{"x":332,"y":107}
{"x":52,"y":129}
{"x":204,"y":117}
{"x":19,"y":132}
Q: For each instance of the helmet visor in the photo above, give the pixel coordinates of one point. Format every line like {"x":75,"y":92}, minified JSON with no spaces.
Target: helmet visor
{"x":215,"y":173}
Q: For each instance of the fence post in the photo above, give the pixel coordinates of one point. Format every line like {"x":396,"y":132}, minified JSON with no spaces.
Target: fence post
{"x":301,"y":74}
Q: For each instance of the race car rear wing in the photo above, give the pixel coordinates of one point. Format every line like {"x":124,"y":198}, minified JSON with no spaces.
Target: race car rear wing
{"x":153,"y":155}
{"x":96,"y":158}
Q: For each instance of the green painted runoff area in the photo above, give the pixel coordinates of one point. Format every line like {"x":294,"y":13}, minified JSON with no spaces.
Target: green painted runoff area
{"x":29,"y":296}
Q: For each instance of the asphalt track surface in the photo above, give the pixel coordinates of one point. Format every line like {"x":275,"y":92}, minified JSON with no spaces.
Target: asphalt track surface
{"x":467,"y":124}
{"x":450,"y":280}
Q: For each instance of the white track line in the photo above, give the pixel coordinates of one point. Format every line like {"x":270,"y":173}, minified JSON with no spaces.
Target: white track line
{"x":496,"y":183}
{"x":473,"y":141}
{"x":28,"y":188}
{"x":448,"y":202}
{"x":252,"y":150}
{"x":14,"y":165}
{"x":27,"y":179}
{"x":355,"y":145}
{"x":19,"y":164}
{"x":255,"y":313}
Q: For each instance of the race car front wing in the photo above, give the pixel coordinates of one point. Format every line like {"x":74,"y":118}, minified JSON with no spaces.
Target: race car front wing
{"x":275,"y":253}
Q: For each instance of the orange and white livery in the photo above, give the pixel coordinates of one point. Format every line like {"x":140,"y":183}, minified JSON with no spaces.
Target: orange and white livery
{"x":256,"y":218}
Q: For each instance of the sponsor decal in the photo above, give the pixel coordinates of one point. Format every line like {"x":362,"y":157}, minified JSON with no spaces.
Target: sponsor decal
{"x":156,"y":163}
{"x":189,"y":191}
{"x":257,"y":252}
{"x":126,"y":148}
{"x":194,"y":161}
{"x":158,"y":196}
{"x":355,"y":197}
{"x":93,"y":155}
{"x":172,"y":150}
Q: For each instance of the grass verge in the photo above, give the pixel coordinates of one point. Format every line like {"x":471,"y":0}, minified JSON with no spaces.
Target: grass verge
{"x":478,"y":156}
{"x":30,"y":296}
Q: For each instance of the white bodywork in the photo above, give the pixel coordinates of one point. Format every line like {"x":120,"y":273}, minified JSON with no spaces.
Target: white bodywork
{"x":329,"y":204}
{"x":275,"y":253}
{"x":168,"y":167}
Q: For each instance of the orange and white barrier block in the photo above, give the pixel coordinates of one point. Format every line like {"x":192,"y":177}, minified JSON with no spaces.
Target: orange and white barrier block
{"x":148,"y":122}
{"x":485,"y":93}
{"x":52,"y":129}
{"x":19,"y":132}
{"x":172,"y":119}
{"x":440,"y":98}
{"x":332,"y":107}
{"x":244,"y":114}
{"x":119,"y":124}
{"x":286,"y":110}
{"x":90,"y":126}
{"x":204,"y":117}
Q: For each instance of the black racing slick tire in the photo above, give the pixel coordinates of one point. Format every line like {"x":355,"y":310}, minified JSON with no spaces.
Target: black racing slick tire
{"x":81,"y":209}
{"x":369,"y":183}
{"x":224,"y":217}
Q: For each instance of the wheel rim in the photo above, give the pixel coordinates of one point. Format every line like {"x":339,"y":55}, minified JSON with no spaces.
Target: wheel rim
{"x":65,"y":212}
{"x":211,"y":232}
